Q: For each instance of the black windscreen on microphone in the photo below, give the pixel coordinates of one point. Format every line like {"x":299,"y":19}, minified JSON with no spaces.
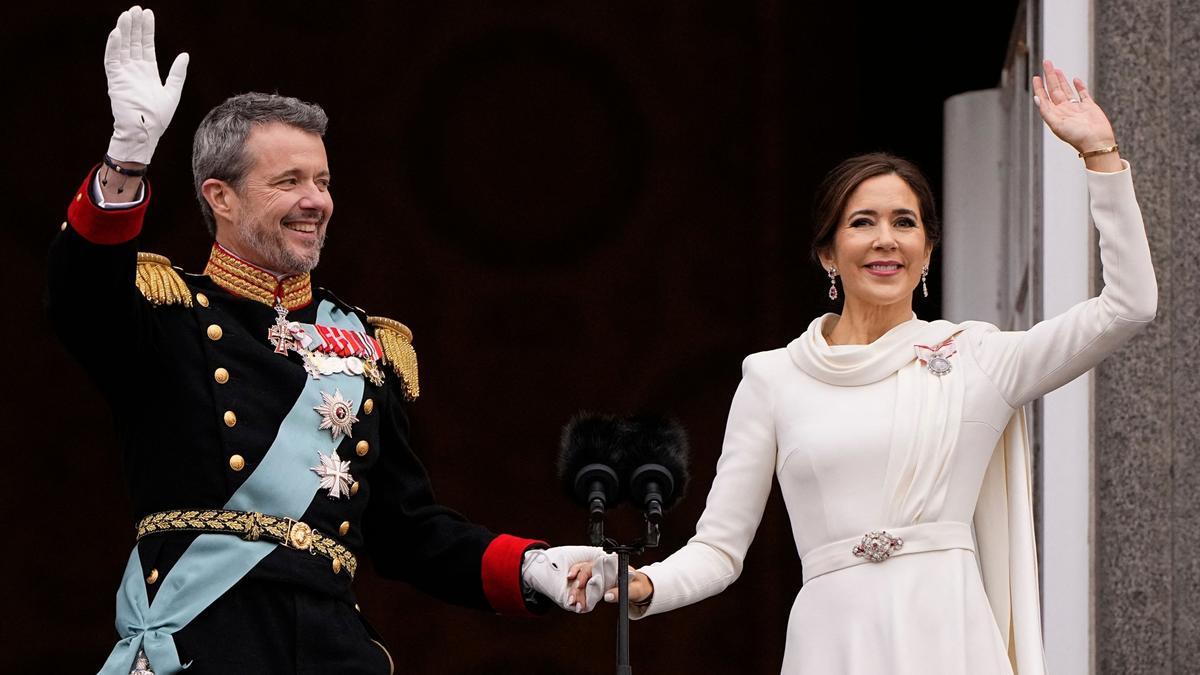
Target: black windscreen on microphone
{"x":590,"y":452}
{"x":655,"y":464}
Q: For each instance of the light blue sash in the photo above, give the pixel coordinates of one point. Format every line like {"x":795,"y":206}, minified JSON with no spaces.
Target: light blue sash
{"x":282,"y":485}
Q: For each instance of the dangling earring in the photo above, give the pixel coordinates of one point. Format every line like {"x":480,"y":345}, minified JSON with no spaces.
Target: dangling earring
{"x":833,"y":283}
{"x":924,"y":275}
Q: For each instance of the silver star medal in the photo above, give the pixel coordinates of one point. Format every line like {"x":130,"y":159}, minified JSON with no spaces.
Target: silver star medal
{"x":335,"y":474}
{"x":337,"y":414}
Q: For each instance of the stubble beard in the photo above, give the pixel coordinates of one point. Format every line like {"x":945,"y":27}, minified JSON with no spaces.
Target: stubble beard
{"x":268,"y":243}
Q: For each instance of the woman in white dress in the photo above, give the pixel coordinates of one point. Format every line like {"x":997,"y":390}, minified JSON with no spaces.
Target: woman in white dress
{"x":900,"y":444}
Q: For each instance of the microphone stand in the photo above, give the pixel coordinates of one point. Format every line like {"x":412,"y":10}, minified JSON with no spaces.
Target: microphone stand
{"x":596,"y":534}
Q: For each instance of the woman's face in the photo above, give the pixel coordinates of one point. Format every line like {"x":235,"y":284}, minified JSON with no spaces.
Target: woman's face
{"x":879,"y":247}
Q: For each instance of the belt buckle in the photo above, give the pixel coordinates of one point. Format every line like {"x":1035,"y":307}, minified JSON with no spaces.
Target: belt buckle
{"x":299,"y":535}
{"x":877,"y":546}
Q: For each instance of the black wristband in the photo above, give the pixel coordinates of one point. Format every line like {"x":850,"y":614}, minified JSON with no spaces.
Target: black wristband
{"x":112,"y":164}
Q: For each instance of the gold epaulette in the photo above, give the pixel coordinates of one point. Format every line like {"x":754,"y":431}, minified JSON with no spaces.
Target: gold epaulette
{"x":398,"y":352}
{"x":159,"y":282}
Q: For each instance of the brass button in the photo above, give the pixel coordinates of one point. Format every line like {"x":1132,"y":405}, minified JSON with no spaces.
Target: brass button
{"x":230,"y":418}
{"x":221,"y":375}
{"x":337,"y":565}
{"x":362,"y":448}
{"x":78,"y":196}
{"x":202,"y":299}
{"x":215,"y":332}
{"x":368,"y":406}
{"x":344,"y":527}
{"x":356,"y":607}
{"x":63,"y":227}
{"x":152,"y":577}
{"x":354,"y":488}
{"x":237,"y":462}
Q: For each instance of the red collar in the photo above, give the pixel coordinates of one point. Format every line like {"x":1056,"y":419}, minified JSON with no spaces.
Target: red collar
{"x":249,"y":281}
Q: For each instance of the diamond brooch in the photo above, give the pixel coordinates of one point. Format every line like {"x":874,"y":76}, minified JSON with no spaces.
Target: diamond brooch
{"x":877,"y":546}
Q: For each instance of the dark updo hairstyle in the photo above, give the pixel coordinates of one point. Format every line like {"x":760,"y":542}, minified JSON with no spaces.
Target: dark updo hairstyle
{"x":835,"y":190}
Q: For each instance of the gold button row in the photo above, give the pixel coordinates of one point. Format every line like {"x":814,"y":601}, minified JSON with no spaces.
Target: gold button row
{"x":202,"y":299}
{"x":362,"y":448}
{"x":152,"y":578}
{"x":215,"y":332}
{"x":354,"y":488}
{"x":344,"y":528}
{"x":237,"y":462}
{"x":368,"y":406}
{"x":221,"y":375}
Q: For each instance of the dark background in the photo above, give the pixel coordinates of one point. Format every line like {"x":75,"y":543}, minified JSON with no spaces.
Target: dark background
{"x":575,"y":205}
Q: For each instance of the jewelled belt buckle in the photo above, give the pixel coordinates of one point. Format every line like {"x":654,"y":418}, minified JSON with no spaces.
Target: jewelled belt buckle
{"x":877,"y":546}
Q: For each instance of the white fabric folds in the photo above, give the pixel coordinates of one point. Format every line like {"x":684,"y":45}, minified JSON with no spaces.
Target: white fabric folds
{"x":927,"y":419}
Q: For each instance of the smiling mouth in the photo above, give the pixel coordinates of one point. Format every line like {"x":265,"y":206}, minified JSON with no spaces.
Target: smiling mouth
{"x":884,"y":268}
{"x":305,"y":228}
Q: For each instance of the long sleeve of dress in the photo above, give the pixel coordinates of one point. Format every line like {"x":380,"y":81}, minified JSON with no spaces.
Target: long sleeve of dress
{"x":712,"y":559}
{"x":1027,"y":364}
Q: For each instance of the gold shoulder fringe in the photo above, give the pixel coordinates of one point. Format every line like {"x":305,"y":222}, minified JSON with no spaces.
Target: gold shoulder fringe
{"x":398,"y":352}
{"x":159,"y":282}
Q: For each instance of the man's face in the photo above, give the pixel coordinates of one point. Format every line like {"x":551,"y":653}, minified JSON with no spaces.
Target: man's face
{"x":284,"y":206}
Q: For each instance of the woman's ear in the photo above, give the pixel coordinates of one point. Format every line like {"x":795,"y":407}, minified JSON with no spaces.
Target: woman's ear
{"x":825,"y":256}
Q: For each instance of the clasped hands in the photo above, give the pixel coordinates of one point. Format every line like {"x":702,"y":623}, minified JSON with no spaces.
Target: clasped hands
{"x":577,"y":577}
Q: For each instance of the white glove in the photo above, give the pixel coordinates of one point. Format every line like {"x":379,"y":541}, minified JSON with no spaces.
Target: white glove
{"x":545,"y":571}
{"x":142,"y":105}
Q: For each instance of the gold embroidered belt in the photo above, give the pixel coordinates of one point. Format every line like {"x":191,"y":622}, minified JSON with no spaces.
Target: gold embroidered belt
{"x":879,"y":545}
{"x":252,"y":526}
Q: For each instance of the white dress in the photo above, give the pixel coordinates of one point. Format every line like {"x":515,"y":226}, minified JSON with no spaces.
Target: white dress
{"x":834,"y":425}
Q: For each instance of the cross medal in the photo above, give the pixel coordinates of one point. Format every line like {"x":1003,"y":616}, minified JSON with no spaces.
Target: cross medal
{"x":279,"y":335}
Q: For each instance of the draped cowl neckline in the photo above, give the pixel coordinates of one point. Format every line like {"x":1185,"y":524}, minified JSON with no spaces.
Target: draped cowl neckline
{"x":927,"y":416}
{"x":868,"y":363}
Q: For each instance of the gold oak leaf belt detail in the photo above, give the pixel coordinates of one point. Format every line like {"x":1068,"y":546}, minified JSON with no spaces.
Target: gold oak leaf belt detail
{"x":252,"y":526}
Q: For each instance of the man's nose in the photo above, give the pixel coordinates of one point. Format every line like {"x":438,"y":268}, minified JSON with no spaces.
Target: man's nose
{"x":315,"y":198}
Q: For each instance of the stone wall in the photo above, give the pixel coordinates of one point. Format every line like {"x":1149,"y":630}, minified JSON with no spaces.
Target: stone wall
{"x":1147,"y":473}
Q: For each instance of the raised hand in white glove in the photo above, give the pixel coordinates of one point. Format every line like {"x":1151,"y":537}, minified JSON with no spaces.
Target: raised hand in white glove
{"x":142,"y":104}
{"x":546,"y":571}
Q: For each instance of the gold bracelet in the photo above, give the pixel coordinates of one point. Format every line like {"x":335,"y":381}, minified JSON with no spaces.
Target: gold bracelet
{"x":1101,"y":151}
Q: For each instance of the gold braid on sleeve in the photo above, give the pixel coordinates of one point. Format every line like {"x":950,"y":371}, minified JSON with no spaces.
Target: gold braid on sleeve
{"x":398,"y":352}
{"x":159,"y":282}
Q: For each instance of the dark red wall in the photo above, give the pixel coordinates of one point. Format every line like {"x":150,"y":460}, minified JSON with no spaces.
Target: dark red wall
{"x":575,"y":205}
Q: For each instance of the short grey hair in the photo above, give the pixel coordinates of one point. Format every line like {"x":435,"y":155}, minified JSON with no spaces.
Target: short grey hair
{"x":219,"y":148}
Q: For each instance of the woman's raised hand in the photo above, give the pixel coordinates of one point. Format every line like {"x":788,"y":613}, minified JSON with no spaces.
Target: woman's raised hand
{"x":1072,"y":114}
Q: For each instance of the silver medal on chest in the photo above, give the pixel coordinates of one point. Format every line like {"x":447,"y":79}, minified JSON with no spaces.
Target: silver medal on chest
{"x":335,"y":475}
{"x":337,"y":414}
{"x":939,"y":365}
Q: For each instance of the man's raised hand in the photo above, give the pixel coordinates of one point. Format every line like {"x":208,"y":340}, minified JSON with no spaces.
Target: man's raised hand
{"x":142,"y":104}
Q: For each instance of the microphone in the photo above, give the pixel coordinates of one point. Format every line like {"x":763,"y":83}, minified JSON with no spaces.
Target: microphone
{"x":656,"y":463}
{"x":590,"y":451}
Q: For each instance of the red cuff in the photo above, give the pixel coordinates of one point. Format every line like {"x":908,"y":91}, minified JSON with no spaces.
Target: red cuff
{"x":501,"y":573}
{"x":105,"y":226}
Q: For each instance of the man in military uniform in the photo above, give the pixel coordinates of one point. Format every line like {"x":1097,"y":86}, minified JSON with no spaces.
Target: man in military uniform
{"x":273,"y":450}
